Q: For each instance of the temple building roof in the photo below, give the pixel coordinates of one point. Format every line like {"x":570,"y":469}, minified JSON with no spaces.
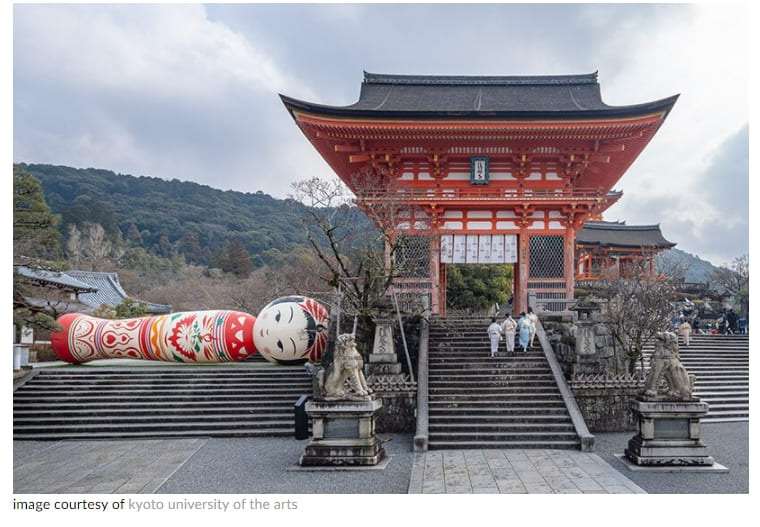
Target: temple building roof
{"x":58,"y":279}
{"x":511,"y":97}
{"x":109,"y":291}
{"x":618,"y":234}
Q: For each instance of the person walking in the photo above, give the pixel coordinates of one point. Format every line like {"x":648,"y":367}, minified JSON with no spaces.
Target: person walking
{"x":533,"y":325}
{"x":685,"y":329}
{"x":523,"y":326}
{"x":494,"y":333}
{"x":508,"y":327}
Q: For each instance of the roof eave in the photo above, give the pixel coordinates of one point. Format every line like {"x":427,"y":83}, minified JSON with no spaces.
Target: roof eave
{"x":662,"y":105}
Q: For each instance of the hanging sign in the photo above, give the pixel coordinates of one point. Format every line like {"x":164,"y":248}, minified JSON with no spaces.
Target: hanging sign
{"x":479,"y":248}
{"x":479,"y":170}
{"x":447,"y":248}
{"x":472,"y":248}
{"x":497,"y":248}
{"x":460,"y":249}
{"x":510,"y":248}
{"x":484,"y":249}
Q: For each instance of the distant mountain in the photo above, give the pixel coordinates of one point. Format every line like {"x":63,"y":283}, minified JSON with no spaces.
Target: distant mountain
{"x":696,"y":269}
{"x":197,"y":221}
{"x":166,"y":217}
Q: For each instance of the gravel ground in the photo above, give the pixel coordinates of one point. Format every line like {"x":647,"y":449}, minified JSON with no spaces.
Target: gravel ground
{"x":727,"y":443}
{"x":270,"y":465}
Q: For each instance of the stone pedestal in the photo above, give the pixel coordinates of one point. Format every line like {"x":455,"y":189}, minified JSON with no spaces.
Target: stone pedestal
{"x":343,"y":433}
{"x":668,"y":434}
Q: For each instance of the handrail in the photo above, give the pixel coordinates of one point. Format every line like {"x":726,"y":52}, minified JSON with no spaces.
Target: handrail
{"x":421,"y":435}
{"x":587,"y":439}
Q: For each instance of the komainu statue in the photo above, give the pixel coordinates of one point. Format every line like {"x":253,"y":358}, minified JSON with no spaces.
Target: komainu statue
{"x":344,"y":378}
{"x":666,"y":366}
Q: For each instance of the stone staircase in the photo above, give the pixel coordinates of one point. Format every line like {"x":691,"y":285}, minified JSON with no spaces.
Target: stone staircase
{"x":475,"y":401}
{"x":721,"y":366}
{"x":98,"y":402}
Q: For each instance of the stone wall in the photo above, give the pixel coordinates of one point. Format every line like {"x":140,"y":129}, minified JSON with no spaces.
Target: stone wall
{"x":398,"y":414}
{"x":607,"y":409}
{"x":595,"y":370}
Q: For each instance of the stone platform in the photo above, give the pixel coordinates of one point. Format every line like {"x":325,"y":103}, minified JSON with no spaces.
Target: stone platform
{"x":343,"y":433}
{"x":669,"y":434}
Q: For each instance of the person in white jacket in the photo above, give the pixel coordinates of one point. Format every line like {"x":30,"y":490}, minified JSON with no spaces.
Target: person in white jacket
{"x":508,"y":327}
{"x":494,"y":333}
{"x":533,"y":325}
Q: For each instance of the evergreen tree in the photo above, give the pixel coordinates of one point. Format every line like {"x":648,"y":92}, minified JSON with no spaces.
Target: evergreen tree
{"x":475,"y":288}
{"x":36,"y":244}
{"x":35,"y":233}
{"x":238,"y":261}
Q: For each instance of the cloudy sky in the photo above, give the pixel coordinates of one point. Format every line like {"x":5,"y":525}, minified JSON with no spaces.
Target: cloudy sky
{"x":191,"y":91}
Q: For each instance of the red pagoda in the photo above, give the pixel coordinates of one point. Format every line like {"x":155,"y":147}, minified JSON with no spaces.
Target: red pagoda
{"x":484,"y":169}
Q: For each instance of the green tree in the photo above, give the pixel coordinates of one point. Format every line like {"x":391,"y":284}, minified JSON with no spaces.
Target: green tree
{"x":36,"y":244}
{"x":238,"y":259}
{"x":474,"y":288}
{"x":35,"y":232}
{"x":127,"y":308}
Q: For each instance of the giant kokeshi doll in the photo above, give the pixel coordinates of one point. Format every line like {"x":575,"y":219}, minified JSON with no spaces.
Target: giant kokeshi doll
{"x":195,"y":337}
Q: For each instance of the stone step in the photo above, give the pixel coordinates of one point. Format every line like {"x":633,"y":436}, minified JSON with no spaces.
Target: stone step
{"x":165,"y":419}
{"x":488,"y":436}
{"x":445,"y":410}
{"x":72,"y":411}
{"x":140,"y":434}
{"x":436,"y":444}
{"x":503,"y":429}
{"x":179,"y":398}
{"x":144,"y":427}
{"x":80,"y":402}
{"x":536,"y":418}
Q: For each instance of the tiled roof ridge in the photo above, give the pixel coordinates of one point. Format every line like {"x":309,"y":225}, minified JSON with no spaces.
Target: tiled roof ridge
{"x":481,"y":80}
{"x":603,"y":225}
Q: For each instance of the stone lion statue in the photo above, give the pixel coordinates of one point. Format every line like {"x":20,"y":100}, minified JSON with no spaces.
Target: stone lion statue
{"x":344,"y":378}
{"x":666,"y":365}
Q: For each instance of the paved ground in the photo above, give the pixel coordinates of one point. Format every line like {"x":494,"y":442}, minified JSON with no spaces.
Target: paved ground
{"x":237,"y":466}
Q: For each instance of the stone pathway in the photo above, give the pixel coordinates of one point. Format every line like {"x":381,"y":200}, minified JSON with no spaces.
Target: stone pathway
{"x":516,"y":472}
{"x":102,"y":467}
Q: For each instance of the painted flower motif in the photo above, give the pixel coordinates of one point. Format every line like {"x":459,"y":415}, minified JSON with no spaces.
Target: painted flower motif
{"x":185,"y":337}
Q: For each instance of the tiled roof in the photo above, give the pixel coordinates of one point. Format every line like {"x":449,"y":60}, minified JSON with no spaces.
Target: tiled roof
{"x":481,"y":96}
{"x":59,"y":278}
{"x":617,"y":234}
{"x":108,"y":291}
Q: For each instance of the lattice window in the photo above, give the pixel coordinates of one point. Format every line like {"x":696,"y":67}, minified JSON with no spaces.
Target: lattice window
{"x":547,"y":256}
{"x":412,"y":257}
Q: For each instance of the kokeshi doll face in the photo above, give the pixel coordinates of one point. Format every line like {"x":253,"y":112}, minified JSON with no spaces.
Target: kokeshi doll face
{"x":291,"y":330}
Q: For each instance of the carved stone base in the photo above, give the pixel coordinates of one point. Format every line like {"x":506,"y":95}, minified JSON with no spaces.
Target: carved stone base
{"x":668,"y":434}
{"x":343,"y":433}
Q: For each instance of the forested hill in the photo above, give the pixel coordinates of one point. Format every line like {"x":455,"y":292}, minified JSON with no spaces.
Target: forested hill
{"x":167,"y":218}
{"x":170,"y":218}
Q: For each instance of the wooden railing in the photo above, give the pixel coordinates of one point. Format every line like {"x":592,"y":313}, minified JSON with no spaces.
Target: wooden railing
{"x":479,"y":194}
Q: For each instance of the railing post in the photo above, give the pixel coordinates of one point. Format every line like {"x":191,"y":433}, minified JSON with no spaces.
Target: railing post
{"x":587,"y":439}
{"x":421,"y":435}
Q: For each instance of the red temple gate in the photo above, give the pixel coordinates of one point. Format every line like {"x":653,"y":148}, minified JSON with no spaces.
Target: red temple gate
{"x":483,"y":169}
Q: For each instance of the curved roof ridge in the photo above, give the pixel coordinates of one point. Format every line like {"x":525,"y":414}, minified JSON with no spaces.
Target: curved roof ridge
{"x":481,"y":80}
{"x":620,"y":226}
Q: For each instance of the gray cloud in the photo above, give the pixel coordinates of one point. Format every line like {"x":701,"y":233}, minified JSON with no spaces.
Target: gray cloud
{"x":190,"y":91}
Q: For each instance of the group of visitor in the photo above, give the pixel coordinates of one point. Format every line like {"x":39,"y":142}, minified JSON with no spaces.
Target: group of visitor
{"x":524,"y":327}
{"x":687,"y":322}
